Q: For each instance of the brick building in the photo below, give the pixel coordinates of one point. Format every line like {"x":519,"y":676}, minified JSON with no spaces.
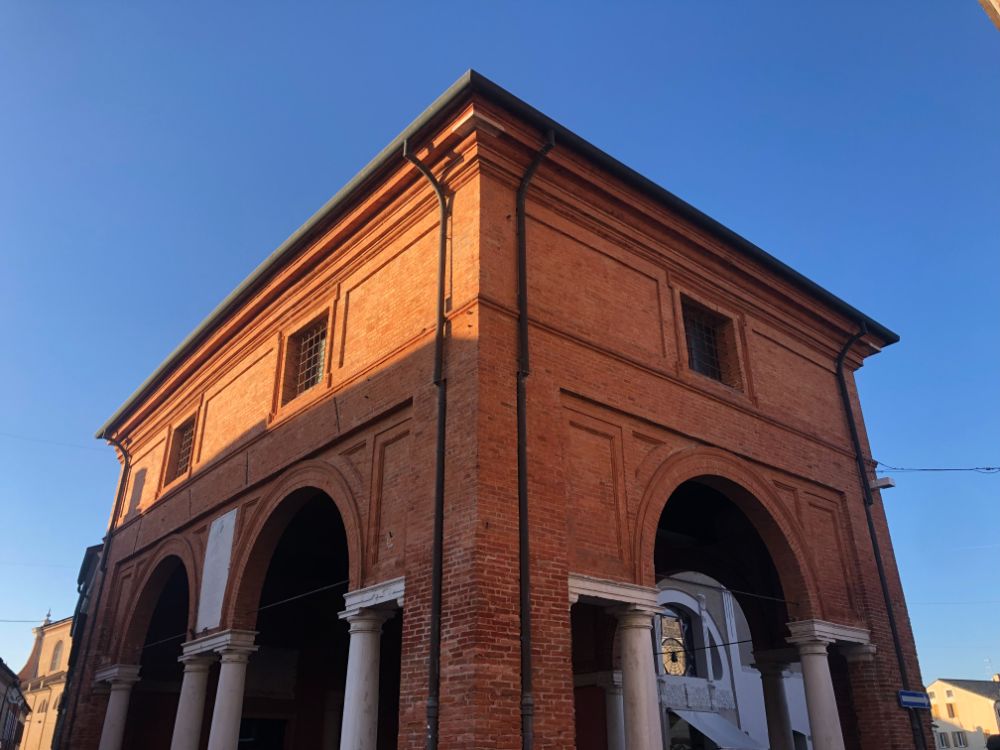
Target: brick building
{"x":496,"y":391}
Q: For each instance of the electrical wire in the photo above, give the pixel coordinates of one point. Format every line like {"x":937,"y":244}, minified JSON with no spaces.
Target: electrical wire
{"x":702,"y":648}
{"x":723,"y":588}
{"x":251,"y":611}
{"x":977,"y":469}
{"x":30,"y":439}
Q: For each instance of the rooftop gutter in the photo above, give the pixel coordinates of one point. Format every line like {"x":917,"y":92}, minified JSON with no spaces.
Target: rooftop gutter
{"x":474,"y":83}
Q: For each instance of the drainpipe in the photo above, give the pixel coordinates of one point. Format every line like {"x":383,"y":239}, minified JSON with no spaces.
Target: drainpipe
{"x":437,"y":554}
{"x":918,"y":733}
{"x":71,"y":670}
{"x":523,"y":370}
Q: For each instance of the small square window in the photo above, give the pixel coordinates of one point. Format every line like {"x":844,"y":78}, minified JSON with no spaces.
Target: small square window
{"x":930,"y":694}
{"x":181,"y":450}
{"x":305,"y":360}
{"x":711,"y":344}
{"x":949,"y":694}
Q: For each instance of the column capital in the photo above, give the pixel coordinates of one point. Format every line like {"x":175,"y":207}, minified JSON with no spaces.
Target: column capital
{"x":634,"y":616}
{"x":825,"y":631}
{"x":858,"y":653}
{"x":387,"y":595}
{"x":774,"y":660}
{"x":366,"y":620}
{"x":766,"y":668}
{"x":200,"y":662}
{"x":225,"y":641}
{"x":119,"y":675}
{"x":600,"y":591}
{"x":809,"y":648}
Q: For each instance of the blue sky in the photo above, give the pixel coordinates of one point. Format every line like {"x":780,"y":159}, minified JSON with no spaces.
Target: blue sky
{"x":152,"y":154}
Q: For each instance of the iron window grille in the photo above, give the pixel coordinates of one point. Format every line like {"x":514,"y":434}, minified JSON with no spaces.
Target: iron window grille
{"x":183,"y":449}
{"x":711,"y":344}
{"x":306,"y":359}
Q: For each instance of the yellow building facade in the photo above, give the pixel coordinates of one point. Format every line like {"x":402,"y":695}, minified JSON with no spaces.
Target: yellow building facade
{"x":43,"y":680}
{"x":966,"y":712}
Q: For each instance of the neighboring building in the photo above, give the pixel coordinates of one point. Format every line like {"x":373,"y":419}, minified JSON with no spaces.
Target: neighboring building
{"x":331,"y":471}
{"x":966,"y":712}
{"x":992,"y":8}
{"x":43,"y":680}
{"x":14,"y":710}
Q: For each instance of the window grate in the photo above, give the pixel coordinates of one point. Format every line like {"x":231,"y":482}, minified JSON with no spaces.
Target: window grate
{"x":184,"y":442}
{"x":310,"y":347}
{"x":703,"y":331}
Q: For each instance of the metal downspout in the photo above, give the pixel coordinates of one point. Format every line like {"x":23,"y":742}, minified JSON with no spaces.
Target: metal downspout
{"x":869,"y":498}
{"x":67,"y":730}
{"x":437,"y":555}
{"x":523,"y":370}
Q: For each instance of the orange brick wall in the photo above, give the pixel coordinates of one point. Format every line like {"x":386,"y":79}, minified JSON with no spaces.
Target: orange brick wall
{"x":611,"y":402}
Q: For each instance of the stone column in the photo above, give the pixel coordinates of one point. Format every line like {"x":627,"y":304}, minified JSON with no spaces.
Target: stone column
{"x":234,"y":655}
{"x":122,"y":677}
{"x":821,"y":702}
{"x":615,"y":710}
{"x":639,"y":692}
{"x":360,"y":727}
{"x":191,"y":706}
{"x":779,"y":723}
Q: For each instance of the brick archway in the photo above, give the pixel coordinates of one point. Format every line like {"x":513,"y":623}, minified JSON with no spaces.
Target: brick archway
{"x":753,"y":495}
{"x":257,"y":541}
{"x":172,"y":553}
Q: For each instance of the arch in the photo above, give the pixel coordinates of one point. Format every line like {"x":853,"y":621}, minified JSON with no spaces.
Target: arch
{"x":753,"y":495}
{"x":173,"y":552}
{"x":256,"y":543}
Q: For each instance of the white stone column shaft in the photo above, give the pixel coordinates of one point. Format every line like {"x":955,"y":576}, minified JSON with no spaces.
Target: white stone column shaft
{"x":113,"y":731}
{"x":641,"y":703}
{"x":228,"y":712}
{"x":615,"y":710}
{"x":360,"y":727}
{"x":191,"y":705}
{"x":821,"y":701}
{"x":779,"y":723}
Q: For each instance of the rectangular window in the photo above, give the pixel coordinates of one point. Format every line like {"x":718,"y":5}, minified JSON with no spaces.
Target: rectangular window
{"x":951,"y":710}
{"x":943,"y":739}
{"x":960,"y":739}
{"x":181,"y":450}
{"x":949,"y":694}
{"x":305,"y":360}
{"x":930,"y":694}
{"x":711,"y":344}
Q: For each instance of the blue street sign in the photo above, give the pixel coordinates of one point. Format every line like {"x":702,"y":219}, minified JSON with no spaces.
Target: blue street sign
{"x":914,"y":699}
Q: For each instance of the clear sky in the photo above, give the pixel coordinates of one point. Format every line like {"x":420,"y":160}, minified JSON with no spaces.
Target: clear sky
{"x":152,"y":154}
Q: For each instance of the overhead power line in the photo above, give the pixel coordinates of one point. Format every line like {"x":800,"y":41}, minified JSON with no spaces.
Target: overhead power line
{"x":46,"y":441}
{"x":977,"y":469}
